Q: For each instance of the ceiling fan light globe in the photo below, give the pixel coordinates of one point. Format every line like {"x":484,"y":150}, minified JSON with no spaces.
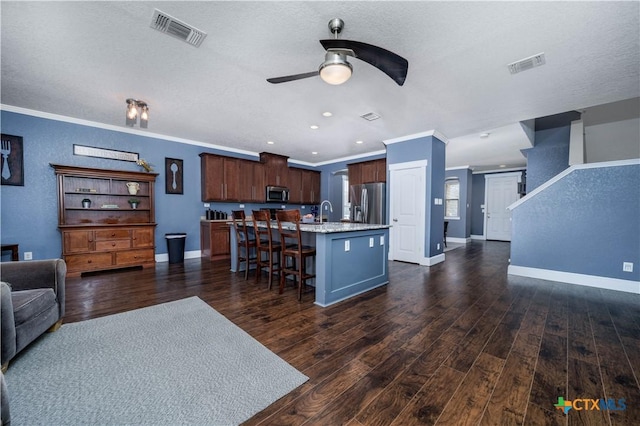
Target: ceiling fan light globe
{"x":335,"y":69}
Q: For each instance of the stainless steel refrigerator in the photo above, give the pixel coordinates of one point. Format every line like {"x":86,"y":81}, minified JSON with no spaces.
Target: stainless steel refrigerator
{"x":369,"y":203}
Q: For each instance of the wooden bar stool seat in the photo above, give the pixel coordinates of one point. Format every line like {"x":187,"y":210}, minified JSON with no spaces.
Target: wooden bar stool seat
{"x":266,"y":246}
{"x":246,"y":242}
{"x":294,"y":253}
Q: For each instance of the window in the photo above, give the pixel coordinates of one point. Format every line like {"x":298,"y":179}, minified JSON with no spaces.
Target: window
{"x":452,"y":199}
{"x":346,"y":205}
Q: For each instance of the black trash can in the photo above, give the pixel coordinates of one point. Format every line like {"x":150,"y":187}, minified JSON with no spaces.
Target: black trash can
{"x":175,"y":247}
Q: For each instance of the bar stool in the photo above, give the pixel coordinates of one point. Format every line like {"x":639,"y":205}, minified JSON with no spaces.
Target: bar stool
{"x":266,"y":245}
{"x":293,"y":250}
{"x":244,"y":241}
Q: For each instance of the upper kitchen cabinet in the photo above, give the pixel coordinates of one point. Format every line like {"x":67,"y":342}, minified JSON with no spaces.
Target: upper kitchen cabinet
{"x":374,"y":171}
{"x":310,"y":187}
{"x":219,"y":177}
{"x":251,"y":178}
{"x":295,"y":186}
{"x":355,"y":173}
{"x":304,"y":186}
{"x":368,"y":172}
{"x":276,"y":169}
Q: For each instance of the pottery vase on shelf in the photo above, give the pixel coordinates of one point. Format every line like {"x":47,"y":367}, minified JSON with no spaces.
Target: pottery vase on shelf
{"x":133,"y":187}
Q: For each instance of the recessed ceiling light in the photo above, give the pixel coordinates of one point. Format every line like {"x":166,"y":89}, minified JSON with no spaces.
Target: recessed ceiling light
{"x":327,"y":114}
{"x":484,"y":135}
{"x":502,"y":166}
{"x":270,"y":142}
{"x":359,"y":142}
{"x":314,"y":127}
{"x":314,"y":152}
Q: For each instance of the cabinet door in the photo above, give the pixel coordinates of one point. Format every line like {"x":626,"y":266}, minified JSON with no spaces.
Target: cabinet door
{"x":381,"y":173}
{"x":310,"y":187}
{"x":231,"y":181}
{"x":78,"y":241}
{"x":220,"y":239}
{"x":369,"y":172}
{"x":355,"y":173}
{"x":245,"y":180}
{"x":212,"y":177}
{"x":296,"y":186}
{"x":142,"y":237}
{"x":314,"y":180}
{"x":258,"y":183}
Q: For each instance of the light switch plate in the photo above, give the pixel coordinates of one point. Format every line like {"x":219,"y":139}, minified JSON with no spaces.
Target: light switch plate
{"x":371,"y":242}
{"x":347,"y":245}
{"x":627,"y":266}
{"x":381,"y":240}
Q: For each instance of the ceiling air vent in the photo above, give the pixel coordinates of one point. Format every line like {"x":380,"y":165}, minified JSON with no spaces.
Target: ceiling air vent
{"x":527,"y":63}
{"x":176,"y":28}
{"x":370,"y":116}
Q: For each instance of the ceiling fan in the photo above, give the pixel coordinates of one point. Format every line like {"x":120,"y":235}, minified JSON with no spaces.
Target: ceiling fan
{"x":336,"y":70}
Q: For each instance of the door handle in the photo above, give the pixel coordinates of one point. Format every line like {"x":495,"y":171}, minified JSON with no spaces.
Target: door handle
{"x":395,"y":220}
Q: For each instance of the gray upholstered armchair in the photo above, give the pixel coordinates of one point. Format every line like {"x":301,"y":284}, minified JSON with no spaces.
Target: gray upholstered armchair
{"x":32,"y":302}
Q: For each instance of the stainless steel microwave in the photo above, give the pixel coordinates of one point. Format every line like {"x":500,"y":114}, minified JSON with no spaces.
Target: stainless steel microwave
{"x":277,"y":194}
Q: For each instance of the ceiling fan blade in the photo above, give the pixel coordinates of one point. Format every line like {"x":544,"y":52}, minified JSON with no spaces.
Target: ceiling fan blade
{"x":286,"y":78}
{"x":393,"y":65}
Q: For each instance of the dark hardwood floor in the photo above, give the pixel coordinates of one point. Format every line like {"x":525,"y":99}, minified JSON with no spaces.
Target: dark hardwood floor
{"x":457,"y":343}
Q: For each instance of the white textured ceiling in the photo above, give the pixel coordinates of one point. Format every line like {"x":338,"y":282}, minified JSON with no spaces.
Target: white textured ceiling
{"x":83,"y":59}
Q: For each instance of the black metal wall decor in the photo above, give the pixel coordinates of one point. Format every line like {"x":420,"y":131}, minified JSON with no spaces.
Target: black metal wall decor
{"x":173,"y":176}
{"x":11,"y":154}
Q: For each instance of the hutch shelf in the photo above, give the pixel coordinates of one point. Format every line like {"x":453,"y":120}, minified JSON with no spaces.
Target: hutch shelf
{"x":106,"y":232}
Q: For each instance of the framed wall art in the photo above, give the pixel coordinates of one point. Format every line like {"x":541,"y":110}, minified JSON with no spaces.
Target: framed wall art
{"x":173,"y":176}
{"x":11,"y":154}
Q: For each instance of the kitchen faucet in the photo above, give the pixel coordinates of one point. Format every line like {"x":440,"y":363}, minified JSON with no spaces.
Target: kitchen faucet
{"x":322,"y":205}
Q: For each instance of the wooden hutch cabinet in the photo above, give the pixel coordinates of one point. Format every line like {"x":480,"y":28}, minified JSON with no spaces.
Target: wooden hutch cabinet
{"x":108,"y":233}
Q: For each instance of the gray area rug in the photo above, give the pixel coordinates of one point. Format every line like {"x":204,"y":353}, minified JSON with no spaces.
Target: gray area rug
{"x":175,"y":363}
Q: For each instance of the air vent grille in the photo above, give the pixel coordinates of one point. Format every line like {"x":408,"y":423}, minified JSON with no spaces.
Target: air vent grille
{"x":370,"y":116}
{"x":527,"y":63}
{"x":174,"y":27}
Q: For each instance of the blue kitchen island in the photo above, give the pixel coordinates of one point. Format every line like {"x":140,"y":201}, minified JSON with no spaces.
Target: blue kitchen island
{"x":351,"y":258}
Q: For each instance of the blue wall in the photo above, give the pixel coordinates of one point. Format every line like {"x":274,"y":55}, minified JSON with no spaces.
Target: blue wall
{"x":29,"y":212}
{"x":549,"y":156}
{"x":431,"y":149}
{"x":570,"y":229}
{"x":461,"y":228}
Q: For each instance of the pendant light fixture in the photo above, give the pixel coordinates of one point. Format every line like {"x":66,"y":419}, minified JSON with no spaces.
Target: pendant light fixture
{"x":132,"y":113}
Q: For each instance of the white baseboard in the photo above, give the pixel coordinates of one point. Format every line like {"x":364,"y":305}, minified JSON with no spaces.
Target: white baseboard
{"x":579,"y":279}
{"x":458,"y":240}
{"x":477,"y":237}
{"x":164,"y":257}
{"x":430,"y":261}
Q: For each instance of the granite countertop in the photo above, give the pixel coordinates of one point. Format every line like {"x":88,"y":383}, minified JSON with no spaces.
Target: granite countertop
{"x":330,"y":227}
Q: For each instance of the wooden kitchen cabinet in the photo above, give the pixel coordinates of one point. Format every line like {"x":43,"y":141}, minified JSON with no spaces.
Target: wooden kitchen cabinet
{"x":109,"y":233}
{"x":373,"y":171}
{"x":276,"y":169}
{"x":310,"y":187}
{"x":215,"y":240}
{"x":367,"y":172}
{"x":295,"y":186}
{"x":231,"y":179}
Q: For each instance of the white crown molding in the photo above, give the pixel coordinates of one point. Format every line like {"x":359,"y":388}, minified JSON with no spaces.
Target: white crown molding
{"x":573,"y":278}
{"x":349,"y":158}
{"x":129,"y":130}
{"x":511,"y":169}
{"x":433,"y":133}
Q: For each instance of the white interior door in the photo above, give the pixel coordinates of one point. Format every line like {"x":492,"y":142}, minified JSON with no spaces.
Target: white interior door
{"x":407,"y":212}
{"x":500,"y":192}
